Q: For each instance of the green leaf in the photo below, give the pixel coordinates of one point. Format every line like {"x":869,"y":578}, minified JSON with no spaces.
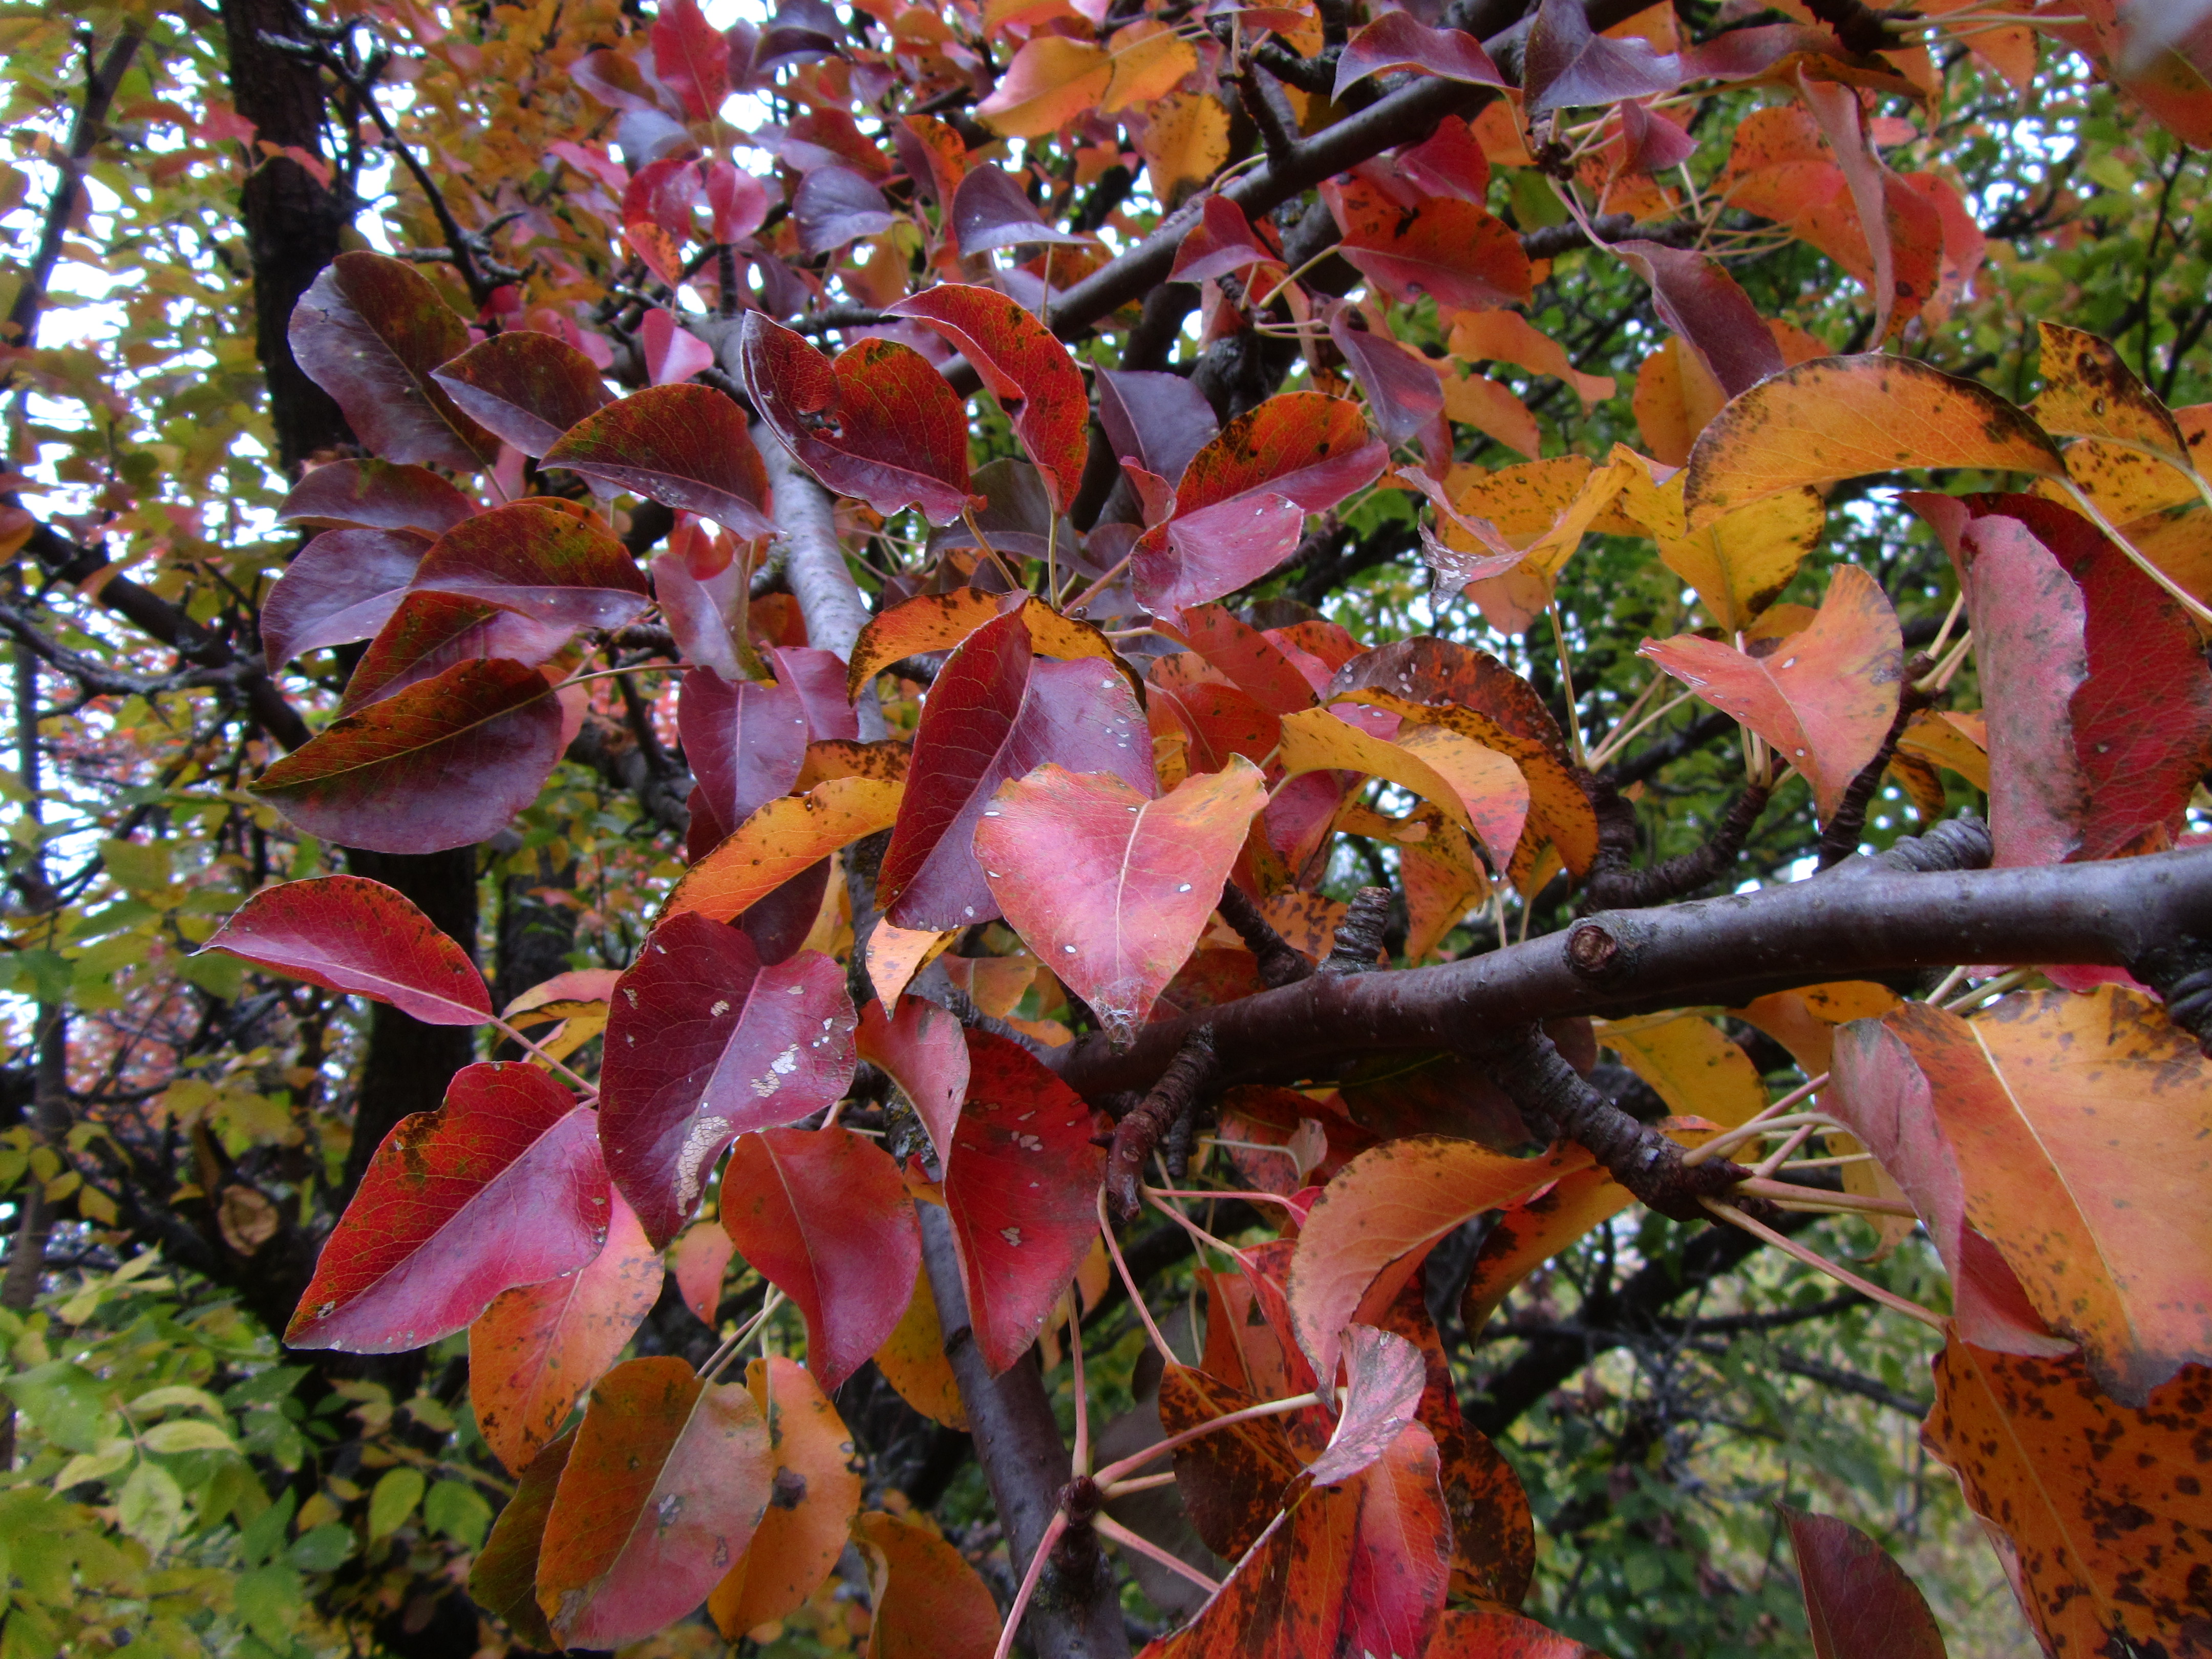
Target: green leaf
{"x":185,"y":1435}
{"x":95,"y":1466}
{"x":177,"y":1394}
{"x":457,"y":1510}
{"x":321,"y":1549}
{"x":393,"y":1501}
{"x":136,"y":867}
{"x":268,"y":1601}
{"x":151,"y":1506}
{"x":68,"y":1403}
{"x":262,"y":1536}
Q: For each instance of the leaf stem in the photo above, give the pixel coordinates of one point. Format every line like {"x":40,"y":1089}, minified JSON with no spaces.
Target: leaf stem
{"x":1053,"y":1529}
{"x":735,"y":1346}
{"x":591,"y":1091}
{"x":1107,"y":1527}
{"x":1567,"y":684}
{"x":1137,"y":1460}
{"x":1757,"y":1229}
{"x":2095,"y":514}
{"x":984,"y":542}
{"x":1128,"y":1284}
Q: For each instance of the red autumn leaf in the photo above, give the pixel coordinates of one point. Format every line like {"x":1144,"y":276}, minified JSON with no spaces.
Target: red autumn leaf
{"x":1022,"y":1188}
{"x":503,"y":1579}
{"x":1221,"y":243}
{"x":1491,"y":1633}
{"x":373,"y":495}
{"x":746,"y":741}
{"x":672,"y":353}
{"x":1448,"y":162}
{"x":667,"y":1480}
{"x":1025,"y":367}
{"x":1651,"y":143}
{"x":535,"y":1350}
{"x":1825,"y":696}
{"x":996,"y":712}
{"x":1359,"y":1568}
{"x":1244,"y":499}
{"x":384,"y":778}
{"x":553,"y":562}
{"x":699,"y":1261}
{"x":1231,"y":1480}
{"x":1568,"y":63}
{"x":921,"y":1048}
{"x":928,"y":1603}
{"x":690,"y":57}
{"x":1399,"y":40}
{"x":1404,"y":390}
{"x":349,"y":934}
{"x":371,"y":331}
{"x":1111,"y":887}
{"x":1700,"y":301}
{"x":501,"y":1186}
{"x":823,"y":1216}
{"x":433,"y":632}
{"x":1252,"y":660}
{"x":1157,"y":419}
{"x":683,"y":445}
{"x":879,"y":423}
{"x":703,"y":1044}
{"x":1385,"y":1376}
{"x":736,"y":202}
{"x":1453,"y":251}
{"x":663,"y":193}
{"x":525,"y":388}
{"x":344,"y":585}
{"x":1858,"y":1602}
{"x":1215,"y":720}
{"x":1374,"y":1224}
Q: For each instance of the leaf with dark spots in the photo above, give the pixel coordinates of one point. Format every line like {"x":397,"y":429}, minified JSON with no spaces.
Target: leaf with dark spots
{"x":503,"y":1579}
{"x":432,"y":632}
{"x":1399,"y":40}
{"x":789,"y":834}
{"x":1244,"y":499}
{"x":996,"y":712}
{"x":683,"y":445}
{"x":704,"y":1044}
{"x":343,"y":586}
{"x":1858,"y":1602}
{"x":537,"y":1348}
{"x":1359,"y":1568}
{"x":1451,"y":251}
{"x":1494,"y":1634}
{"x":668,"y":1479}
{"x":822,"y":1215}
{"x":371,"y":331}
{"x":1025,"y":367}
{"x":1022,"y":1186}
{"x":446,"y":763}
{"x":1567,"y":62}
{"x":1157,"y":419}
{"x":2100,"y":1506}
{"x":879,"y":423}
{"x":989,"y":212}
{"x":527,"y":387}
{"x":2089,"y":391}
{"x":373,"y":495}
{"x":746,"y":741}
{"x":812,"y":1502}
{"x":1231,"y":1480}
{"x":501,"y":1186}
{"x":351,"y":934}
{"x":553,"y":562}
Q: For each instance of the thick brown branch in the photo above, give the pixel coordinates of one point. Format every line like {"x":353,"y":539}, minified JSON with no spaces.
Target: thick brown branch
{"x":1359,"y":938}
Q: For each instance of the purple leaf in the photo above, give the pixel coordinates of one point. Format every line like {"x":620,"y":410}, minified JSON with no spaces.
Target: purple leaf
{"x":703,"y":1044}
{"x":700,"y":610}
{"x":1703,"y":304}
{"x":681,"y":446}
{"x":835,"y":205}
{"x":1223,"y":241}
{"x":1399,"y":40}
{"x":527,"y":388}
{"x":344,"y":585}
{"x":1651,"y":143}
{"x":431,"y":632}
{"x":989,"y":211}
{"x":746,"y":742}
{"x":550,"y":559}
{"x":1159,"y":421}
{"x":1404,"y":392}
{"x":1568,"y":64}
{"x":819,"y":677}
{"x":1859,"y":1602}
{"x":371,"y":495}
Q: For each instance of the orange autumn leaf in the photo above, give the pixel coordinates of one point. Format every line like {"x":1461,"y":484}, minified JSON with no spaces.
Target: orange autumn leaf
{"x":814,"y":1498}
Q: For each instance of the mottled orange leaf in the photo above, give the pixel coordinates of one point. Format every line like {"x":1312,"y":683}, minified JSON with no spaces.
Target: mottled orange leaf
{"x":812,"y":1502}
{"x":929,"y":1602}
{"x":912,"y":1360}
{"x":1477,"y":788}
{"x":783,"y":839}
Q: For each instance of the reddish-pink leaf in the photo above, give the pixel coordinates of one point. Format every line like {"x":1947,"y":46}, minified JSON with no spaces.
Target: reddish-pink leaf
{"x":1399,"y":40}
{"x":1488,"y":1633}
{"x":344,"y":585}
{"x":1858,"y":1602}
{"x":525,"y":388}
{"x":746,"y":742}
{"x":996,"y":712}
{"x":349,"y":934}
{"x":1112,"y":889}
{"x":690,"y":57}
{"x":1221,"y":243}
{"x":698,"y":1261}
{"x":879,"y":423}
{"x":1567,"y":62}
{"x":1250,"y":659}
{"x":989,"y":211}
{"x":432,"y":632}
{"x":1215,"y":720}
{"x":1448,"y":162}
{"x":1701,"y":302}
{"x":703,"y":1044}
{"x":535,"y":1350}
{"x":501,"y":1186}
{"x":1824,"y":698}
{"x":823,"y":1216}
{"x":503,"y":1579}
{"x":668,"y":1479}
{"x":1651,"y":143}
{"x":737,"y":201}
{"x":1025,"y":367}
{"x":371,"y":495}
{"x":551,"y":561}
{"x":1883,"y":1094}
{"x":1244,"y":499}
{"x":672,"y":353}
{"x":1450,"y":250}
{"x":663,"y":193}
{"x":370,"y":332}
{"x":922,"y":1049}
{"x":1404,"y":392}
{"x":701,"y":611}
{"x":819,"y":677}
{"x":683,"y":445}
{"x":1384,"y":1375}
{"x":444,"y":763}
{"x":1159,"y":421}
{"x":1359,"y":1568}
{"x":1022,"y":1188}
